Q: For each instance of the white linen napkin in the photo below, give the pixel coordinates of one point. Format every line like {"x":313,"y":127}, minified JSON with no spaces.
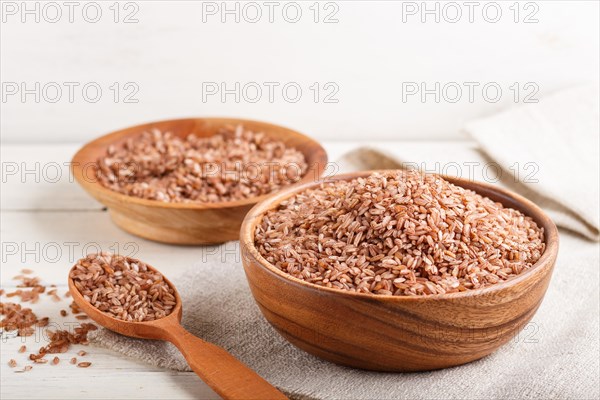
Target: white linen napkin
{"x":557,"y":140}
{"x":548,"y":152}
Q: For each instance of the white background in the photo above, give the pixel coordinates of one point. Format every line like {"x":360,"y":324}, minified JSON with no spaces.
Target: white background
{"x":174,"y":48}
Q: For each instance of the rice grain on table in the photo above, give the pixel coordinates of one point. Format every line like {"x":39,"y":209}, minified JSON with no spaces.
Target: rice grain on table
{"x":232,"y":165}
{"x":398,"y":233}
{"x":84,"y":364}
{"x":20,"y":320}
{"x":123,"y":287}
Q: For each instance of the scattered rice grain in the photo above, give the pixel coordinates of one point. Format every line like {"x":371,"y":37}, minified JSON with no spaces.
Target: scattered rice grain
{"x":18,"y":319}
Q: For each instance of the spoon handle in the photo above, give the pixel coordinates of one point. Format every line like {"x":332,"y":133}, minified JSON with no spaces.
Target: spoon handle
{"x":225,"y":374}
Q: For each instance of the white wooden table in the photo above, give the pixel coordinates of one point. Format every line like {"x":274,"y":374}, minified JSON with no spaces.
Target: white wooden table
{"x":47,"y":222}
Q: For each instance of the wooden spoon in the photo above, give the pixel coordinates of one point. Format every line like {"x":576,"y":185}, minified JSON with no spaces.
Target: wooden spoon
{"x":226,"y":375}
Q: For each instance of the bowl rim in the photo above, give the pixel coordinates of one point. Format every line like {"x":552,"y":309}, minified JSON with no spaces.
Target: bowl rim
{"x":545,"y":262}
{"x":79,"y":163}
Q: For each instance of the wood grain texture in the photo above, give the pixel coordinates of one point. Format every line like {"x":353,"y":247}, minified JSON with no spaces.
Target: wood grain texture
{"x":227,"y":376}
{"x":185,"y":223}
{"x":394,"y":333}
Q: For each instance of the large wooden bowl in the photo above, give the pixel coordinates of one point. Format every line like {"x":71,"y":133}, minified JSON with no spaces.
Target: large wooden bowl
{"x":398,"y":333}
{"x":184,"y":223}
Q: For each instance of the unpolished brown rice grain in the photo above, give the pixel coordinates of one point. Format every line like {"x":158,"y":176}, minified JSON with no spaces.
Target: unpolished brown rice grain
{"x":74,"y":308}
{"x":401,"y":233}
{"x":12,"y":363}
{"x":73,"y":360}
{"x":19,"y":319}
{"x":234,"y":164}
{"x":123,"y":287}
{"x":84,"y":364}
{"x":22,"y":349}
{"x":55,"y":361}
{"x":61,"y":340}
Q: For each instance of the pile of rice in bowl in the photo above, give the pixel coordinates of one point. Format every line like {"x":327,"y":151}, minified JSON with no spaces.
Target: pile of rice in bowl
{"x":398,"y":233}
{"x":234,"y":164}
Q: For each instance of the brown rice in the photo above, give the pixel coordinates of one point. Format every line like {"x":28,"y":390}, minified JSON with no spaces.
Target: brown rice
{"x":235,"y":164}
{"x":398,"y":233}
{"x":123,"y":287}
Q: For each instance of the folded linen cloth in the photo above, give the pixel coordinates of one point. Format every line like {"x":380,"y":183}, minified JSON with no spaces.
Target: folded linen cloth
{"x":548,"y":151}
{"x":555,"y":356}
{"x":555,"y":147}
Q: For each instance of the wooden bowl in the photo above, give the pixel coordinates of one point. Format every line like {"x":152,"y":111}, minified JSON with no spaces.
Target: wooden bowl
{"x":398,"y":333}
{"x":185,"y":223}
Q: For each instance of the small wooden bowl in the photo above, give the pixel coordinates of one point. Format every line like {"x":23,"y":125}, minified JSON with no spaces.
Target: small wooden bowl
{"x":398,"y":333}
{"x":185,"y":223}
